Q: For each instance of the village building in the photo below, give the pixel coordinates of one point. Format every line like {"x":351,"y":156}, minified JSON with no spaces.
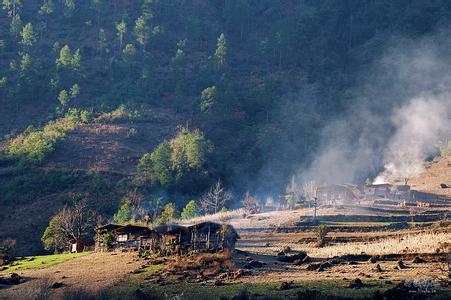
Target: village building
{"x":338,"y":194}
{"x":378,"y":191}
{"x":167,"y":239}
{"x":132,"y":237}
{"x":387,"y":191}
{"x":78,"y":245}
{"x":174,"y":239}
{"x":211,"y":236}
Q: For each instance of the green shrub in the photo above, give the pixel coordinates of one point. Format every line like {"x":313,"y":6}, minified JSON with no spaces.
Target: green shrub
{"x":108,"y":240}
{"x":190,"y":210}
{"x":33,"y":145}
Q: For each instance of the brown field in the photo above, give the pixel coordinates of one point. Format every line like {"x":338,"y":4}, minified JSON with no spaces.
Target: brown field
{"x":346,"y":256}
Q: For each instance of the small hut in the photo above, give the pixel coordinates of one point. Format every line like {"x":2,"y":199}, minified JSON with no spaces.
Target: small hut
{"x":211,"y":236}
{"x":173,"y":239}
{"x":78,"y":245}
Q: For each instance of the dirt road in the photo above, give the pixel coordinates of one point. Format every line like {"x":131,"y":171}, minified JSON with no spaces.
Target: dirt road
{"x":92,"y":273}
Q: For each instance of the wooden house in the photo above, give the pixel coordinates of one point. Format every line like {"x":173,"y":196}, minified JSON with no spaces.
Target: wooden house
{"x":173,"y":239}
{"x":209,"y":236}
{"x":131,"y":237}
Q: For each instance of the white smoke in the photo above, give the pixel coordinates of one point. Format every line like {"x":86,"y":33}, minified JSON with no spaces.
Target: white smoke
{"x":419,"y":124}
{"x":398,"y":115}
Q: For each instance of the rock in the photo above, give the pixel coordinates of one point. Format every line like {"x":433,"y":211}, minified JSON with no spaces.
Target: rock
{"x":352,"y":262}
{"x":291,"y":258}
{"x":13,"y":279}
{"x":372,"y":259}
{"x":285,"y":286}
{"x":356,"y":284}
{"x":3,"y":268}
{"x":267,"y":245}
{"x":378,"y":268}
{"x":400,"y":265}
{"x":254,"y":264}
{"x":306,"y":259}
{"x":418,"y":260}
{"x":281,"y":253}
{"x":312,"y":267}
{"x":286,"y":249}
{"x":218,"y":282}
{"x":57,"y":285}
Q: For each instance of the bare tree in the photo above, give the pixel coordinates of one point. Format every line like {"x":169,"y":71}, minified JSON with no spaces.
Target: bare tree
{"x":69,"y":223}
{"x":251,"y":203}
{"x":310,"y":189}
{"x":215,"y":198}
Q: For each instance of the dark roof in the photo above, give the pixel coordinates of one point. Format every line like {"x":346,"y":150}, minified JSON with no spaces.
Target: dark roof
{"x":81,"y":241}
{"x":108,"y":227}
{"x":206,"y":225}
{"x":171,"y":229}
{"x":130,"y":228}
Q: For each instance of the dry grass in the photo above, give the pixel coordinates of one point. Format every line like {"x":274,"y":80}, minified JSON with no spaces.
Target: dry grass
{"x":207,"y":264}
{"x":410,"y":243}
{"x":220,"y":217}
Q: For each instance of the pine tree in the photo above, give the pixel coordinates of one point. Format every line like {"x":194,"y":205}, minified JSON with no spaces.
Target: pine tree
{"x":221,"y":50}
{"x":121,"y":28}
{"x":64,"y":98}
{"x":76,"y":60}
{"x":47,"y":8}
{"x":190,"y":210}
{"x":65,"y":58}
{"x":74,"y":91}
{"x":207,"y":99}
{"x":28,"y":35}
{"x":141,"y":30}
{"x":16,"y":25}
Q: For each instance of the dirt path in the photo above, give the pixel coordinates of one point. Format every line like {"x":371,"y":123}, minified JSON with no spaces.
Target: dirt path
{"x":92,"y":273}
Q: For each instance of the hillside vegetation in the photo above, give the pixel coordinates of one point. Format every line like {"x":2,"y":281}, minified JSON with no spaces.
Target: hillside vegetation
{"x":149,"y":102}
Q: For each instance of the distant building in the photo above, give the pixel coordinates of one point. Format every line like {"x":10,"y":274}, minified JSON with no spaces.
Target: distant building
{"x":388,"y":191}
{"x":333,"y":194}
{"x":378,"y":190}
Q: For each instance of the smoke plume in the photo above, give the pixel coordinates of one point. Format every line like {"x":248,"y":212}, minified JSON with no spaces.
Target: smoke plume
{"x":400,"y":112}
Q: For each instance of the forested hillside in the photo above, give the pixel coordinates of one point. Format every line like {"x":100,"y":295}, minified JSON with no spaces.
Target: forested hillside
{"x":233,"y":90}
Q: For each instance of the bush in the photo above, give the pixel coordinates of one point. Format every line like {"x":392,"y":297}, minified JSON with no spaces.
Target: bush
{"x":108,"y":240}
{"x":321,"y":231}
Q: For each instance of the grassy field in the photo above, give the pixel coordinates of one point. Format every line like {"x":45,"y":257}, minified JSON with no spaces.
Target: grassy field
{"x":320,"y":289}
{"x":43,"y":261}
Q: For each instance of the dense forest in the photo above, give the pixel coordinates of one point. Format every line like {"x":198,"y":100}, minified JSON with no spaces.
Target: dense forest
{"x":252,"y":83}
